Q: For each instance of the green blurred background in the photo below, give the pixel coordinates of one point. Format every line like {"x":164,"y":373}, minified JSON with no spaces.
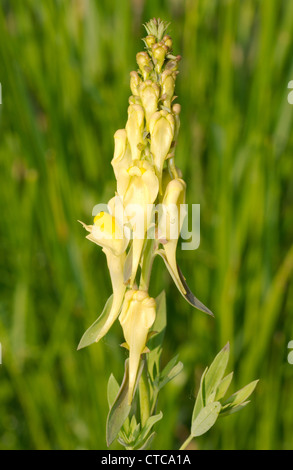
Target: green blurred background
{"x":64,"y":70}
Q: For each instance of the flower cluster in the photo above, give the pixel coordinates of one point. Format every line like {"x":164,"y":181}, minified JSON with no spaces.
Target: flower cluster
{"x":145,"y":172}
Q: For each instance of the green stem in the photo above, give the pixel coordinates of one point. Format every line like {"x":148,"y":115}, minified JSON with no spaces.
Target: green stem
{"x":144,"y":400}
{"x":185,"y":443}
{"x":147,"y":263}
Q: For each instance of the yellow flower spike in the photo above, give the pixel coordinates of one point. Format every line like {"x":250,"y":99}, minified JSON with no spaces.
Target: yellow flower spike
{"x":149,"y":94}
{"x":168,"y":87}
{"x":122,"y":155}
{"x":137,"y":317}
{"x":135,"y":129}
{"x":162,"y":129}
{"x":170,"y":224}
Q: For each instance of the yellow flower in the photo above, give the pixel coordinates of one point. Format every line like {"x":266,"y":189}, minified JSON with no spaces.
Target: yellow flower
{"x":162,"y":128}
{"x":135,"y":129}
{"x":108,"y":233}
{"x":137,"y":316}
{"x":170,"y":223}
{"x":138,"y":187}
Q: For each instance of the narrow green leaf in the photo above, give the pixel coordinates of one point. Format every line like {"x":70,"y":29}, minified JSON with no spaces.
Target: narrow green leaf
{"x":148,"y":441}
{"x":223,"y":387}
{"x":92,"y":332}
{"x":133,"y":424}
{"x":215,"y":373}
{"x":128,"y":265}
{"x":205,"y":419}
{"x":170,"y":373}
{"x":112,"y":390}
{"x":199,"y":402}
{"x":241,"y":396}
{"x":120,"y":410}
{"x":234,"y":409}
{"x":149,"y":424}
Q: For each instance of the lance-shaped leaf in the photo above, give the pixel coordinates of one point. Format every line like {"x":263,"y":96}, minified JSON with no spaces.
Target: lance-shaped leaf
{"x":148,"y":441}
{"x":172,"y":369}
{"x":188,"y":295}
{"x":112,"y":390}
{"x":121,"y":408}
{"x":94,"y":330}
{"x":215,"y":373}
{"x":200,"y":399}
{"x":205,"y":419}
{"x":223,"y":386}
{"x":152,"y":420}
{"x":239,"y":399}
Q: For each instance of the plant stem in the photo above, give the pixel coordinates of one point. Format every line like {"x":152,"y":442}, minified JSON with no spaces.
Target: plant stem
{"x":144,"y":400}
{"x":147,"y":264}
{"x":185,"y":443}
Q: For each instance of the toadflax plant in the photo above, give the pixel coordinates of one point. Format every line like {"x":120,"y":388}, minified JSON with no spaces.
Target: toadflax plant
{"x":141,"y":221}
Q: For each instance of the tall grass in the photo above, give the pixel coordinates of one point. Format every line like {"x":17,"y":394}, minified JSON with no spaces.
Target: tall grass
{"x":64,"y":71}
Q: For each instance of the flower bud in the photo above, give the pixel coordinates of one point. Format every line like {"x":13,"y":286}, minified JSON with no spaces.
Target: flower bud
{"x":173,"y":198}
{"x":134,"y":129}
{"x":122,"y":154}
{"x":150,"y":40}
{"x":149,"y":94}
{"x":135,"y":81}
{"x":168,"y":87}
{"x":145,"y":64}
{"x":137,"y":317}
{"x":162,"y":128}
{"x":172,"y":65}
{"x":168,"y":41}
{"x":159,"y":51}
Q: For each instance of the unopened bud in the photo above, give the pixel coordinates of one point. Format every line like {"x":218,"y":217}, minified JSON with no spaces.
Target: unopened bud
{"x":144,"y":62}
{"x":176,"y":108}
{"x":134,"y":129}
{"x":168,"y":86}
{"x":159,"y":51}
{"x":135,"y":81}
{"x":172,"y":65}
{"x":162,"y":128}
{"x":168,"y":41}
{"x":149,"y":94}
{"x":150,"y":40}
